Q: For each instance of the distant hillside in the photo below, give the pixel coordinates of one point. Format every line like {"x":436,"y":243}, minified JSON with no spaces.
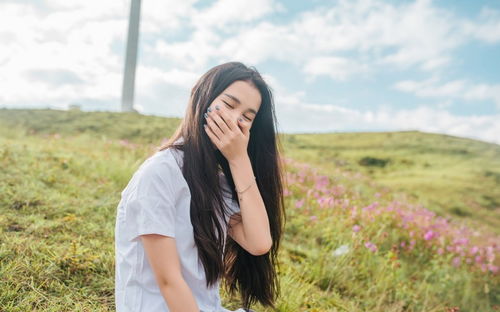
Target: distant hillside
{"x":130,"y":126}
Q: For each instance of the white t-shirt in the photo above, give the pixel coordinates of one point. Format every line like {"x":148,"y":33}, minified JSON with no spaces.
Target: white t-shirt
{"x":157,"y":200}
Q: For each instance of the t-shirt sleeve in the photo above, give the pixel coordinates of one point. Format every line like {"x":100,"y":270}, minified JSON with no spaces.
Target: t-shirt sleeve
{"x":232,"y":204}
{"x":150,"y":205}
{"x":234,"y":207}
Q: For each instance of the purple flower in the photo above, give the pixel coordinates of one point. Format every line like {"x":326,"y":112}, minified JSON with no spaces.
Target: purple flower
{"x":371,"y":246}
{"x":321,"y":182}
{"x":461,"y":241}
{"x":429,"y":235}
{"x":493,"y":268}
{"x":356,"y":228}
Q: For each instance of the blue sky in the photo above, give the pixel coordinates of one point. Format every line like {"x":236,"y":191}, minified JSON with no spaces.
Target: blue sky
{"x":366,"y":65}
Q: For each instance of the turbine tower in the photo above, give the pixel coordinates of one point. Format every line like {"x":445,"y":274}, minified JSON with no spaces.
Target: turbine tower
{"x":131,"y":57}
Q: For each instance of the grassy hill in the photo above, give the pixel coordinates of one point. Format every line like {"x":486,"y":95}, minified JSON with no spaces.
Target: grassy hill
{"x":374,"y":220}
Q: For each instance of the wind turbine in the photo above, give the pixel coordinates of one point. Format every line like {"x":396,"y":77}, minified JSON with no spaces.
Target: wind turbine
{"x":131,"y":57}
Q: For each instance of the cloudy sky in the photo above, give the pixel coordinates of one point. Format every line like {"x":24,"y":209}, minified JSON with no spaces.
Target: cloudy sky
{"x":339,"y":66}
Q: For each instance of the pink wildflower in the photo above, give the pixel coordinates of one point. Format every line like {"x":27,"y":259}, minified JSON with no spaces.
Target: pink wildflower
{"x":356,"y":228}
{"x":412,"y":244}
{"x":461,"y":241}
{"x":490,"y":256}
{"x":429,"y":235}
{"x":371,"y":246}
{"x":474,"y":250}
{"x":321,"y":182}
{"x":493,"y":268}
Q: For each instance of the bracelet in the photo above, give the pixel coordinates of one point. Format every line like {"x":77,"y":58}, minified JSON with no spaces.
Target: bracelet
{"x":247,"y":186}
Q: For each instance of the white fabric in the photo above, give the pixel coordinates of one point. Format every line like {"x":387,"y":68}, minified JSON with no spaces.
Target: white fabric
{"x":157,"y":200}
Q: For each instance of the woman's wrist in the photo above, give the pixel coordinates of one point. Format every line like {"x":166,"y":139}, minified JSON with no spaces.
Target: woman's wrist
{"x":238,"y":161}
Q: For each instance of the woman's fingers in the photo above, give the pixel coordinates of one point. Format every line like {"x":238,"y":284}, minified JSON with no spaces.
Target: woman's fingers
{"x":214,"y":127}
{"x":245,"y":126}
{"x":227,"y":119}
{"x":216,"y":115}
{"x":211,"y":135}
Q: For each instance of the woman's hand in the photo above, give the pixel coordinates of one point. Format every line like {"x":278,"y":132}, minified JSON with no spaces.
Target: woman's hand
{"x":230,"y":137}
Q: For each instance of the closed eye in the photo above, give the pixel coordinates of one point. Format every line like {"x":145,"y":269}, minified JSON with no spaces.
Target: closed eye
{"x":232,"y":107}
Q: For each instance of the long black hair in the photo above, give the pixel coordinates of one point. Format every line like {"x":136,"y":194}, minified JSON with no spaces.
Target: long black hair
{"x":254,"y":277}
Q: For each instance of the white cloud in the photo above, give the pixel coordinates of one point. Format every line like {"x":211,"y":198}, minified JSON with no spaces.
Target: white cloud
{"x":226,"y":13}
{"x":337,"y":68}
{"x":165,"y":16}
{"x":456,"y":89}
{"x":163,"y":91}
{"x":207,"y":42}
{"x":75,"y":41}
{"x":488,"y":29}
{"x":191,"y":54}
{"x":375,"y":34}
{"x":415,"y":34}
{"x":307,"y":117}
{"x":69,"y":43}
{"x":298,"y":115}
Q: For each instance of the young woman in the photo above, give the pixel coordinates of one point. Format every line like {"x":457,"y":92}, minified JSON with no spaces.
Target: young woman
{"x":211,"y":178}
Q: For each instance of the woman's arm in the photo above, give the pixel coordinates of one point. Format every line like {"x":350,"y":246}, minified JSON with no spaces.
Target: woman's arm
{"x":164,"y":260}
{"x":179,"y":297}
{"x":253,"y":233}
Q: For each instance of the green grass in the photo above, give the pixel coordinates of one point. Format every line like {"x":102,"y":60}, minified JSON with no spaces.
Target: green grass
{"x":60,"y":192}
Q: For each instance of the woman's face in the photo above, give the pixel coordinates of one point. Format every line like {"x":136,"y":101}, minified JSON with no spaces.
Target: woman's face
{"x":239,"y":100}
